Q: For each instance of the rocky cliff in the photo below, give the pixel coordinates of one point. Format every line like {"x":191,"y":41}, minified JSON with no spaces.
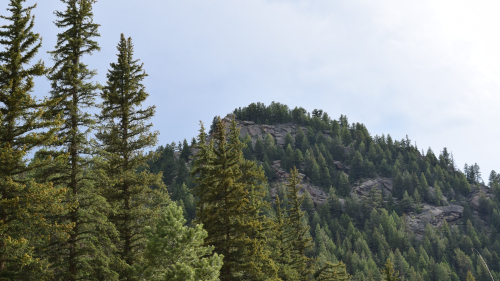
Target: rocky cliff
{"x":432,"y":215}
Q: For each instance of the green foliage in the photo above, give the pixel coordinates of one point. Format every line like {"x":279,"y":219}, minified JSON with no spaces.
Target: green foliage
{"x":230,"y":196}
{"x":105,"y":202}
{"x":296,"y":232}
{"x":275,"y":113}
{"x":25,"y":205}
{"x":87,"y":254}
{"x":388,"y":273}
{"x":186,"y":151}
{"x":175,"y":251}
{"x":331,"y":272}
{"x":123,"y":135}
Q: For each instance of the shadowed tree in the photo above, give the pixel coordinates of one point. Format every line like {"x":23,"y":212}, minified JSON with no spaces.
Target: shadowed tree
{"x":230,"y":191}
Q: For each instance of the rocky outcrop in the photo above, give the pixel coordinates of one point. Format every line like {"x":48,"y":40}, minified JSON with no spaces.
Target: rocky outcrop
{"x":341,"y":167}
{"x":433,"y":215}
{"x":318,"y":196}
{"x":278,"y":131}
{"x":477,"y":191}
{"x":383,"y":184}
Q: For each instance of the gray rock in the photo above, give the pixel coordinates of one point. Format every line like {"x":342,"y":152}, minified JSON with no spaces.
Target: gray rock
{"x":383,"y":184}
{"x":318,"y":196}
{"x":433,"y":215}
{"x":341,"y":167}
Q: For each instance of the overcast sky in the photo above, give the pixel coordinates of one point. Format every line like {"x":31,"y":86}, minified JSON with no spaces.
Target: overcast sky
{"x":426,"y":69}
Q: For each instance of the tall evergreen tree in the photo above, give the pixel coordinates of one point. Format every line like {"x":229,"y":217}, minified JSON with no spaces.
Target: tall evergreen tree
{"x":87,"y":254}
{"x":24,"y":204}
{"x":230,"y":189}
{"x":296,"y":232}
{"x":186,"y":151}
{"x":281,"y":251}
{"x":201,"y":171}
{"x":124,"y":134}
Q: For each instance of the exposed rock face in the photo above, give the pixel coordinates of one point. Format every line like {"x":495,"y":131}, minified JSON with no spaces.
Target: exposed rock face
{"x":433,"y":215}
{"x":476,"y":195}
{"x":318,"y":196}
{"x":278,"y":131}
{"x":383,"y":184}
{"x":416,"y":223}
{"x":432,"y":192}
{"x":340,"y":166}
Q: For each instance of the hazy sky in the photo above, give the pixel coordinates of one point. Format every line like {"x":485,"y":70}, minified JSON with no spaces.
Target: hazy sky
{"x":426,"y":69}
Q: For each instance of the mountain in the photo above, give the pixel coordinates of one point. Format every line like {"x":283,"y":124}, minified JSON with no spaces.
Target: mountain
{"x":368,"y":198}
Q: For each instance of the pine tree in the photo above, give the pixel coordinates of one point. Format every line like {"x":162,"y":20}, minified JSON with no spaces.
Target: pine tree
{"x":259,"y":149}
{"x":470,"y":277}
{"x":296,"y":232}
{"x":123,"y":136}
{"x":88,"y":252}
{"x":356,"y":168}
{"x":24,"y":204}
{"x":186,"y":151}
{"x":298,"y":158}
{"x":231,"y":193}
{"x":406,"y":204}
{"x":343,"y":186}
{"x":287,"y":164}
{"x":281,"y":249}
{"x":288,"y":140}
{"x":424,"y":187}
{"x":388,"y":273}
{"x":201,"y":170}
{"x":175,"y":251}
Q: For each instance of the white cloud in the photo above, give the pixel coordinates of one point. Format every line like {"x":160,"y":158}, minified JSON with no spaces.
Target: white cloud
{"x":428,"y":69}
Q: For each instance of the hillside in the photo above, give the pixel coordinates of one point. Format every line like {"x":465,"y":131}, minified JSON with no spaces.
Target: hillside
{"x":368,"y":198}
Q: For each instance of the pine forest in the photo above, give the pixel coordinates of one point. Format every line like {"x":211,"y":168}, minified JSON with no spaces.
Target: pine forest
{"x":265,"y":192}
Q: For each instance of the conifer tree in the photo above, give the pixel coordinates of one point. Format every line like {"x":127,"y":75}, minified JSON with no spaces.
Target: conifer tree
{"x":174,"y":251}
{"x":230,"y":193}
{"x":259,"y":149}
{"x":470,"y":277}
{"x":24,"y":204}
{"x":88,"y":252}
{"x":123,"y":135}
{"x":200,"y":171}
{"x":186,"y":151}
{"x":281,"y":253}
{"x":296,"y":232}
{"x":388,"y":273}
{"x":343,"y":186}
{"x":288,"y":140}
